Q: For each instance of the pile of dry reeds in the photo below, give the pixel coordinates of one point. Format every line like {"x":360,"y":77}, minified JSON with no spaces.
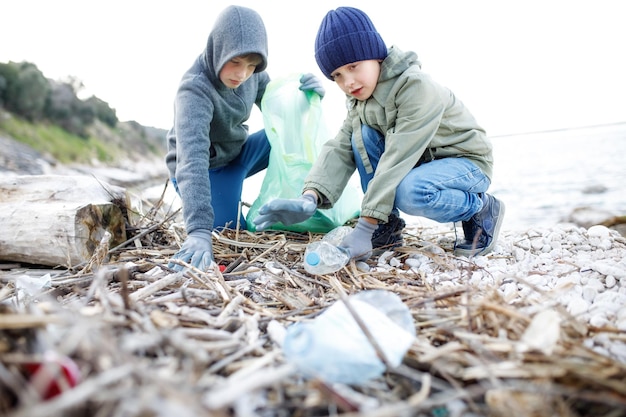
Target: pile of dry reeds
{"x":151,"y":342}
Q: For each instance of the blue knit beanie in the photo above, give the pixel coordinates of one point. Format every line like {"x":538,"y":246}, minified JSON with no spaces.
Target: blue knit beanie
{"x":346,"y":35}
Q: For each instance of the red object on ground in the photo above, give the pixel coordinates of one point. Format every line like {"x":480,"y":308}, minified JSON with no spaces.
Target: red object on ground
{"x":53,"y":375}
{"x":222,"y":268}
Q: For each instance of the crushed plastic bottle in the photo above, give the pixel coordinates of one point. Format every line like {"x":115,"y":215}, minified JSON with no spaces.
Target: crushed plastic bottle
{"x":333,"y":346}
{"x":323,"y":256}
{"x":335,"y":236}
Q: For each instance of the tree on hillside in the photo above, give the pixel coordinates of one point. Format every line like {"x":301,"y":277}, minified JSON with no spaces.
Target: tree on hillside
{"x":103,"y":111}
{"x":25,"y":92}
{"x":3,"y":86}
{"x":26,"y":89}
{"x":8,"y":83}
{"x":67,"y":110}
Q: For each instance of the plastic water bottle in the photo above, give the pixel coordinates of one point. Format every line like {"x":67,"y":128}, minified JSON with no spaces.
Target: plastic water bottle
{"x":323,"y":256}
{"x":333,"y":346}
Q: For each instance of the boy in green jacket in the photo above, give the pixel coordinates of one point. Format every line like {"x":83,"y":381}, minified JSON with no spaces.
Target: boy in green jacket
{"x":415,"y":145}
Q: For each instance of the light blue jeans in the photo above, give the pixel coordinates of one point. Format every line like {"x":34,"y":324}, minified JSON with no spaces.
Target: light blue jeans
{"x":227,"y":181}
{"x":444,"y":190}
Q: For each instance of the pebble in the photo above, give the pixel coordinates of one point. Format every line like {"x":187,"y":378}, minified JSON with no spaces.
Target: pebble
{"x":582,"y":269}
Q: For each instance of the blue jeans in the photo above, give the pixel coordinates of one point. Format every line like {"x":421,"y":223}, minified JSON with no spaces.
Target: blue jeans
{"x":227,"y":181}
{"x":444,"y":190}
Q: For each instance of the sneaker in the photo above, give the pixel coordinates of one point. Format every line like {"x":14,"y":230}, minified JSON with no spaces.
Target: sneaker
{"x":481,"y":231}
{"x":389,"y":235}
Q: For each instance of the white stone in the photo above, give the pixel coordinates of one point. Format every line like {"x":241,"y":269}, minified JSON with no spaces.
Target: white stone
{"x":362,"y":266}
{"x":618,"y":349}
{"x":598,"y":320}
{"x":600,"y":350}
{"x":416,"y":260}
{"x":589,"y":293}
{"x":509,"y":291}
{"x":395,"y":262}
{"x":609,"y":267}
{"x":598,"y":231}
{"x":271,"y":266}
{"x":537,"y":244}
{"x":446,"y":276}
{"x":519,"y":254}
{"x":574,"y":238}
{"x":610,"y":281}
{"x":543,"y":332}
{"x":524,"y":244}
{"x":577,"y":306}
{"x":568,"y":281}
{"x":595,"y":283}
{"x":382,"y":259}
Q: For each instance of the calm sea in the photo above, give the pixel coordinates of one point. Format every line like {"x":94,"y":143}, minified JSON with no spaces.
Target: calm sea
{"x":542,"y":177}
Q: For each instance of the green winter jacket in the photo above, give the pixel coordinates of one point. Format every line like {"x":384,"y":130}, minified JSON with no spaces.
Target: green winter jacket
{"x":417,"y":116}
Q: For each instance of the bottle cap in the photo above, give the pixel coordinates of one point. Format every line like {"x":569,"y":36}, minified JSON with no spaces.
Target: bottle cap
{"x":312,"y":258}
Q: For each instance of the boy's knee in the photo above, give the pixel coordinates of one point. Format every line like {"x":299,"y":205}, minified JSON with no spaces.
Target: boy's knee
{"x":416,"y":196}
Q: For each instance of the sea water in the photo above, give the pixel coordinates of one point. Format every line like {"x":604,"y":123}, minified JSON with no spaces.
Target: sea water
{"x":543,"y":177}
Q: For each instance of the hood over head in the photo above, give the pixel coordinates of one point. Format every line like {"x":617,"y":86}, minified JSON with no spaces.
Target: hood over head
{"x":237,"y":31}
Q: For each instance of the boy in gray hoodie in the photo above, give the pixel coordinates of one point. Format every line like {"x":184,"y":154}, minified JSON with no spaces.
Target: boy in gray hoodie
{"x":210,"y":151}
{"x":416,"y":147}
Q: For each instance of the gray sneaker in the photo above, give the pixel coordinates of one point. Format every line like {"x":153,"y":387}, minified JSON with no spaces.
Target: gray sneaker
{"x":481,"y":231}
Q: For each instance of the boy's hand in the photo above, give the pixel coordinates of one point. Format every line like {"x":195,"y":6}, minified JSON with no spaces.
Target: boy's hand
{"x":309,"y":82}
{"x":359,"y":242}
{"x":197,"y":250}
{"x":287,"y":211}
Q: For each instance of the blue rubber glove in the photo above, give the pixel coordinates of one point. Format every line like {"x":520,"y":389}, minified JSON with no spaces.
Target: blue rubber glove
{"x":285,"y":210}
{"x":309,"y":82}
{"x":359,"y":242}
{"x":197,"y":250}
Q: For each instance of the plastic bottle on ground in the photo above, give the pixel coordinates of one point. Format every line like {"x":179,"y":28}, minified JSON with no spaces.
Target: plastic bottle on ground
{"x":323,"y":256}
{"x":333,"y":346}
{"x":335,"y":236}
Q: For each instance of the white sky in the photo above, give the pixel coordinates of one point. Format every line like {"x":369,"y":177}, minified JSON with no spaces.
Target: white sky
{"x":519,"y":66}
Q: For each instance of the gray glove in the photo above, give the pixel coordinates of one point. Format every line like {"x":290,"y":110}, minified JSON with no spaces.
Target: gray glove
{"x":197,"y":250}
{"x":359,"y":242}
{"x":285,"y":210}
{"x":309,"y":82}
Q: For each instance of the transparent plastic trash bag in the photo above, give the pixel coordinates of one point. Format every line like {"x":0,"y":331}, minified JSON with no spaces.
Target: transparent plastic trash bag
{"x":333,"y":346}
{"x":296,"y":129}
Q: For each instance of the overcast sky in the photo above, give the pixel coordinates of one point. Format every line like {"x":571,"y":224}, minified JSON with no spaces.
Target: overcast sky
{"x":519,"y":66}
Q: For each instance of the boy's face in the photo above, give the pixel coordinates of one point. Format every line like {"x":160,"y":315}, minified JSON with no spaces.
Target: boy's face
{"x":236,"y":71}
{"x":358,"y":79}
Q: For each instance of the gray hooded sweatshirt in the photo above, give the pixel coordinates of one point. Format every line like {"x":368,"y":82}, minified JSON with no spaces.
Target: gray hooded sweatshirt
{"x":209,"y":118}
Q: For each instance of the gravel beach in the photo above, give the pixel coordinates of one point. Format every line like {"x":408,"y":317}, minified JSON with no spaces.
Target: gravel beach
{"x":534,"y":327}
{"x":579,"y":271}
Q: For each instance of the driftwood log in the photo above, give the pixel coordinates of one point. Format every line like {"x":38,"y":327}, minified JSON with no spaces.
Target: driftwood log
{"x":58,"y":220}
